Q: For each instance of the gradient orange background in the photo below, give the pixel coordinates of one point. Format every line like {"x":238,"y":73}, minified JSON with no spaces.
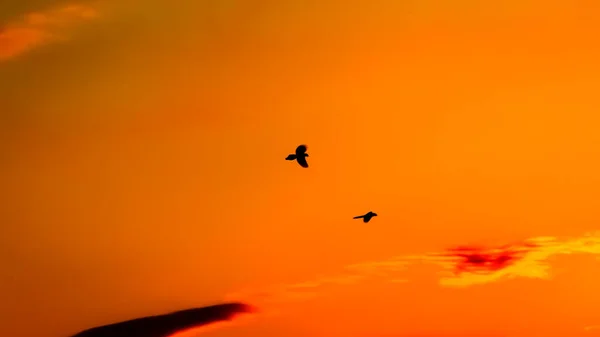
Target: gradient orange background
{"x":142,"y":161}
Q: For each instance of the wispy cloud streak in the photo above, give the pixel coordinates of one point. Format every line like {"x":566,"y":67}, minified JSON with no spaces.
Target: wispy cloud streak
{"x":461,"y":266}
{"x":37,"y":29}
{"x":592,"y":328}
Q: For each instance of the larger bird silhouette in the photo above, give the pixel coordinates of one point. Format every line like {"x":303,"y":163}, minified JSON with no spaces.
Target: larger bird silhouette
{"x":300,"y":156}
{"x":366,"y":217}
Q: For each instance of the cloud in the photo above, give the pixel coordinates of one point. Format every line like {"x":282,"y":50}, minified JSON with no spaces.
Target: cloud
{"x":41,"y":28}
{"x":461,"y":266}
{"x":389,"y":270}
{"x":170,"y":324}
{"x":530,"y":259}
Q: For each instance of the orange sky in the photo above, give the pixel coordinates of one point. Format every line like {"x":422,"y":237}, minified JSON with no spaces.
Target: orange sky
{"x":143,"y":167}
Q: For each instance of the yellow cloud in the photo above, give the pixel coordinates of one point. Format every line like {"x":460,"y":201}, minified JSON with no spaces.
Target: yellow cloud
{"x":40,"y":28}
{"x":533,"y":263}
{"x":461,"y":267}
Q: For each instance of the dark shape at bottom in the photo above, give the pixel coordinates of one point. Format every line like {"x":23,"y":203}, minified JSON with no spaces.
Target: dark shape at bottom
{"x":166,"y":325}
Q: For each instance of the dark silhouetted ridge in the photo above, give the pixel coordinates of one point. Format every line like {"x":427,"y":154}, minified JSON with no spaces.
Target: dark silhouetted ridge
{"x":165,"y":325}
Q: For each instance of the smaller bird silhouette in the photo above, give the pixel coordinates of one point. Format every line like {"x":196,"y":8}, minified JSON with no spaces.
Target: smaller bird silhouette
{"x":300,"y":156}
{"x":367,"y":217}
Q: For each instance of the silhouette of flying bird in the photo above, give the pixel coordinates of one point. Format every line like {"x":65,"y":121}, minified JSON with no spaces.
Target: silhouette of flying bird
{"x":300,"y":156}
{"x":366,"y":217}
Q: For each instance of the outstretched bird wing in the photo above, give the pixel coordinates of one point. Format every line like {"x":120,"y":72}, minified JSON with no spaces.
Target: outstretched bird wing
{"x":358,"y":217}
{"x":301,"y":149}
{"x":302,"y":161}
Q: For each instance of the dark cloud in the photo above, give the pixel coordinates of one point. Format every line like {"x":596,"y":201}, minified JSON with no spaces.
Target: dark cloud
{"x":165,"y":325}
{"x":486,"y":260}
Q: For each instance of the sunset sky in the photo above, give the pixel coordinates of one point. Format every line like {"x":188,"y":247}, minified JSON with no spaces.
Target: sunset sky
{"x":142,"y":165}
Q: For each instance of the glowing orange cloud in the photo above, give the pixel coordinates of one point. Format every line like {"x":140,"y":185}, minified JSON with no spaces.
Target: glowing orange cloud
{"x":461,"y":266}
{"x":40,"y":28}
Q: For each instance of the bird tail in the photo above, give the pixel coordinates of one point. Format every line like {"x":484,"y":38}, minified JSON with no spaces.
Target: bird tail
{"x":359,"y":217}
{"x":291,"y":157}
